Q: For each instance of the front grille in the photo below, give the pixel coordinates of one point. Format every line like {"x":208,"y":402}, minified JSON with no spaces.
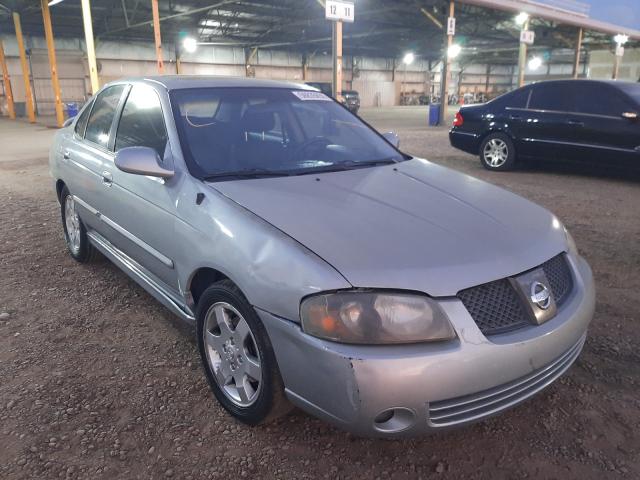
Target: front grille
{"x":560,"y":278}
{"x":497,"y":308}
{"x":482,"y":404}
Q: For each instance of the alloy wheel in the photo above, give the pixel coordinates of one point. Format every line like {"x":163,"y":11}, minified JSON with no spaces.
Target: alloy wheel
{"x":496,"y":152}
{"x":72,"y":224}
{"x":232,"y":354}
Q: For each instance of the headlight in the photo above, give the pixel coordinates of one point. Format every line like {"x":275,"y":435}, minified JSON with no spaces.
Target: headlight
{"x":572,"y":248}
{"x":374,"y":318}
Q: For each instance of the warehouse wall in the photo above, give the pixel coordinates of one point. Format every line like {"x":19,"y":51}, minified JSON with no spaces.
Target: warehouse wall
{"x":601,"y":65}
{"x":380,"y":81}
{"x":380,"y":85}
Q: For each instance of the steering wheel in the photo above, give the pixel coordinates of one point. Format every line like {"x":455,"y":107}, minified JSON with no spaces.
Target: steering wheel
{"x":316,"y":142}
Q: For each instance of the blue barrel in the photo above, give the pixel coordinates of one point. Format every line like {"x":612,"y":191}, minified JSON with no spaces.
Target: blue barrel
{"x":434,"y":114}
{"x":72,"y":110}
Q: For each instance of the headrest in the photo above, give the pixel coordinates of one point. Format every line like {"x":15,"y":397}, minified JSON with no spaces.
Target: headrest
{"x":258,"y":118}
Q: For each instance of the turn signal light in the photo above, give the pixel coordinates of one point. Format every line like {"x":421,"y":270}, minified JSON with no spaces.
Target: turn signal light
{"x":458,"y":120}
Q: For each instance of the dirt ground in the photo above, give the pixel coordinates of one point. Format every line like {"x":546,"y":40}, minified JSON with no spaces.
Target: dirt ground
{"x":98,"y":381}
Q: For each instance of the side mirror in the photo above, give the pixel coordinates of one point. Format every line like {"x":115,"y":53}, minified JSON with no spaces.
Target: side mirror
{"x":630,"y":115}
{"x":141,"y":161}
{"x":392,"y":138}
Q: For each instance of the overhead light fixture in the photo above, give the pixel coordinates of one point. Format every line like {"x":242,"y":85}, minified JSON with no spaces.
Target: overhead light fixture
{"x":55,"y":2}
{"x":408,"y":58}
{"x":190,"y":44}
{"x":621,"y":39}
{"x":521,"y":18}
{"x":454,"y":50}
{"x":535,"y":63}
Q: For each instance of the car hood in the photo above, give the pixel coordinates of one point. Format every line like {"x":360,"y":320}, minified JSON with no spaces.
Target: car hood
{"x":413,"y":225}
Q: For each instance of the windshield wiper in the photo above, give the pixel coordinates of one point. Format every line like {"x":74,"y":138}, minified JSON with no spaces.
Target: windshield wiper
{"x":370,"y":163}
{"x":249,"y":173}
{"x":348,"y":165}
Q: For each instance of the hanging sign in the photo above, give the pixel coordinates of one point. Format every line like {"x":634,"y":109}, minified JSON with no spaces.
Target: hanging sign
{"x":451,"y":26}
{"x":527,"y":36}
{"x":343,"y":11}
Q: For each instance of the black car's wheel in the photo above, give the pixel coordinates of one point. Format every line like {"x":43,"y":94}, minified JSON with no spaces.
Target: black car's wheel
{"x":75,"y":234}
{"x":497,"y":152}
{"x":237,"y":356}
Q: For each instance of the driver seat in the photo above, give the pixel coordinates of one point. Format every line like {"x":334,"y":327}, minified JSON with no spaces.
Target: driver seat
{"x":259,"y":146}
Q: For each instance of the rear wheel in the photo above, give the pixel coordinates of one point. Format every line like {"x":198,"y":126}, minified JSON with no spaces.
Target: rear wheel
{"x":497,"y":152}
{"x":237,"y":356}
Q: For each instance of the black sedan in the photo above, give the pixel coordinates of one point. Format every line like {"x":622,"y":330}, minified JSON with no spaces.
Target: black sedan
{"x":585,"y":120}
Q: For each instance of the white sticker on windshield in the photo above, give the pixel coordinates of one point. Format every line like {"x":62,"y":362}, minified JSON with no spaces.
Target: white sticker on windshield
{"x":310,"y":95}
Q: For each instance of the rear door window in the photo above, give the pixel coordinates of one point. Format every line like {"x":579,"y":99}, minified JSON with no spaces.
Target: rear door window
{"x":102,"y":114}
{"x":81,"y":124}
{"x":555,"y":97}
{"x":142,"y":122}
{"x":599,"y":99}
{"x":518,"y":99}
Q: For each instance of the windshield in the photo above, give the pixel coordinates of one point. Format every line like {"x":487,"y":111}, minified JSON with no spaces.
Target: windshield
{"x":272,"y":131}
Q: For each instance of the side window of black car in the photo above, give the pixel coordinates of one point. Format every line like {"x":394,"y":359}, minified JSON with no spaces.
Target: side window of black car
{"x":518,"y":98}
{"x":552,"y":97}
{"x":598,"y":99}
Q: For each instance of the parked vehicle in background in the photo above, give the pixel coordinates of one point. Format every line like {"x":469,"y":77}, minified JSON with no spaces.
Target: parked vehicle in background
{"x":351,"y":100}
{"x":324,"y":87}
{"x":580,"y":120}
{"x":380,"y":292}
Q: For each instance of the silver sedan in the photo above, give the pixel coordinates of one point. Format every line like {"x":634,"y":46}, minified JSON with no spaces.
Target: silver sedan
{"x":321,"y":266}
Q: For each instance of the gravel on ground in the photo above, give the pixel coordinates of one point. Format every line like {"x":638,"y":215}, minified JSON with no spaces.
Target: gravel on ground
{"x":98,"y":381}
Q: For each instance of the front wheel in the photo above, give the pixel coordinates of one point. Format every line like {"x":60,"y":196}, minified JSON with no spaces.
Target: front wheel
{"x":237,"y":356}
{"x":497,"y":152}
{"x":75,"y":234}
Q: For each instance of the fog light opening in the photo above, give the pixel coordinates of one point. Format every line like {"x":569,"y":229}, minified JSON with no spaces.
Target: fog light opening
{"x":394,"y":420}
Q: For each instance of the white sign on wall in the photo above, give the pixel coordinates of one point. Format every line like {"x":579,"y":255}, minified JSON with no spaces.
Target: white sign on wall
{"x":335,"y":10}
{"x":451,"y":26}
{"x":527,"y":36}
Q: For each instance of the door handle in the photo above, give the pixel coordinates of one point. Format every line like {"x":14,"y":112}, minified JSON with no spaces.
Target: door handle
{"x":575,"y":123}
{"x":107,"y":179}
{"x":66,"y":155}
{"x":515,"y":117}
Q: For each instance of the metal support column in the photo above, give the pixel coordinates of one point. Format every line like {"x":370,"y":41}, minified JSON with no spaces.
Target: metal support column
{"x":522,"y":57}
{"x":55,"y":83}
{"x":305,"y":67}
{"x":28,"y":94}
{"x":91,"y":50}
{"x":337,"y":59}
{"x":616,"y":66}
{"x":576,"y":63}
{"x":446,"y":71}
{"x":7,"y":84}
{"x":178,"y":54}
{"x":156,"y":33}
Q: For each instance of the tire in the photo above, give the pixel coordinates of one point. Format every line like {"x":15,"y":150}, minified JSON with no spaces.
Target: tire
{"x":497,"y":152}
{"x":234,"y":355}
{"x":75,"y":233}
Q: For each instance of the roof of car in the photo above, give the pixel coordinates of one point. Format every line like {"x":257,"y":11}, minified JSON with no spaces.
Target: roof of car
{"x":613,"y":83}
{"x":176,"y":82}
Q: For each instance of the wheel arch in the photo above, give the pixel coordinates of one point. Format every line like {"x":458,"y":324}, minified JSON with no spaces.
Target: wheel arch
{"x":203,"y":278}
{"x":496,"y":129}
{"x":59,"y":187}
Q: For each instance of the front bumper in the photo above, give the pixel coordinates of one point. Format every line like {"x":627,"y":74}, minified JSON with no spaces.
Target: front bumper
{"x":431,"y":386}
